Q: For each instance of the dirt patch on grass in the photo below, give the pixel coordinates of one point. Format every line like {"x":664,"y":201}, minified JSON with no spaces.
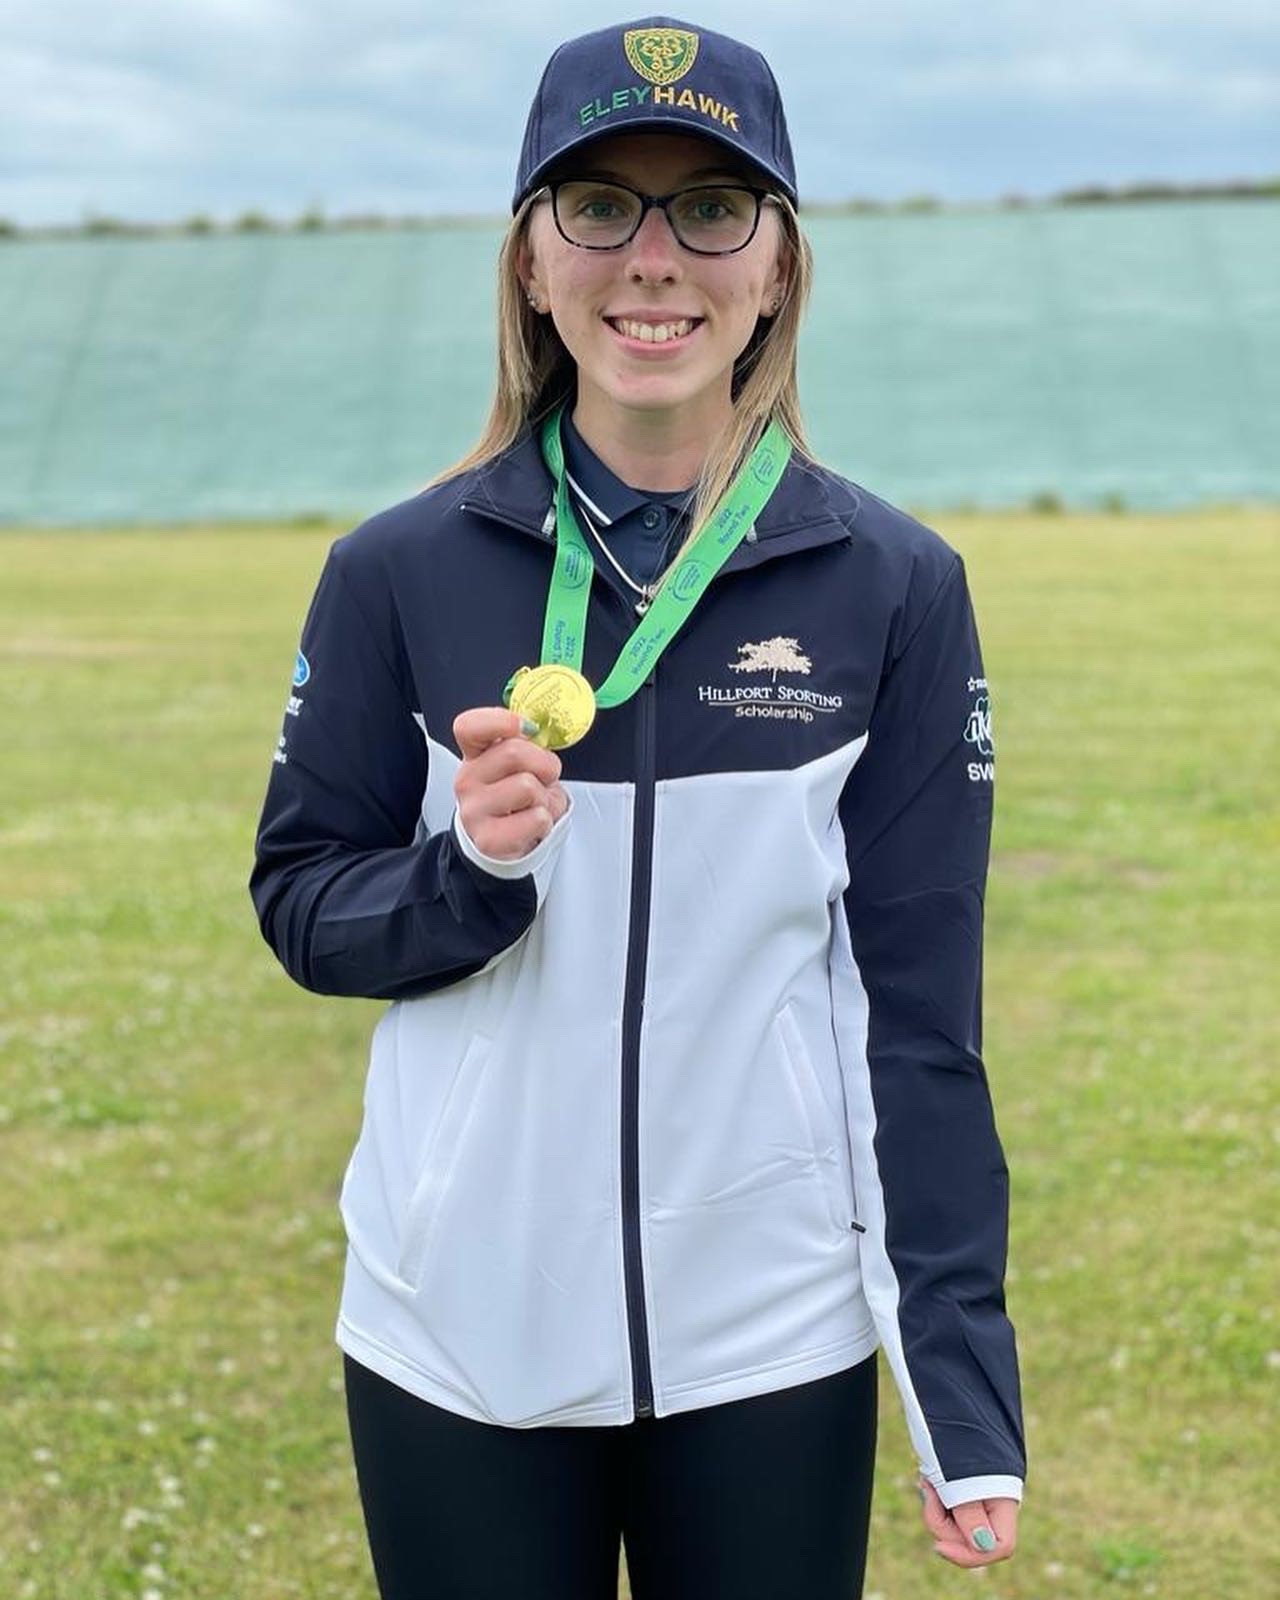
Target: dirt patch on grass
{"x":47,"y":647}
{"x":1027,"y":866}
{"x":1136,"y":874}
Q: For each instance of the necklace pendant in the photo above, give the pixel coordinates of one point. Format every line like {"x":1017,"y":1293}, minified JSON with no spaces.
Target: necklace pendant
{"x":643,"y":603}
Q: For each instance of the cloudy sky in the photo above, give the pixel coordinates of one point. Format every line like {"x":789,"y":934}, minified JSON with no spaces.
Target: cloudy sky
{"x":156,"y":109}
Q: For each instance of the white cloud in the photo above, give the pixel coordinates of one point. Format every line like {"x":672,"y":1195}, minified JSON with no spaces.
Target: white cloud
{"x":1100,"y":73}
{"x":221,"y":104}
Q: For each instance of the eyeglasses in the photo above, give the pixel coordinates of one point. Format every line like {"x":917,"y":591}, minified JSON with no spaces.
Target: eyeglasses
{"x":711,"y":220}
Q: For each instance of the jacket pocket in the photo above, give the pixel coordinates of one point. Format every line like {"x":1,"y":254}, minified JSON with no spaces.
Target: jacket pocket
{"x":439,"y":1162}
{"x":829,"y":1143}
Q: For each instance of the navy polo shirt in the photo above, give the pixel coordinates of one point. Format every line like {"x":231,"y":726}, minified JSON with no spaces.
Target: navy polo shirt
{"x":642,"y":528}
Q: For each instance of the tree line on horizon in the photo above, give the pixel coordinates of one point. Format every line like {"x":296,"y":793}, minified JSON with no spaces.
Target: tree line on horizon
{"x":315,"y":220}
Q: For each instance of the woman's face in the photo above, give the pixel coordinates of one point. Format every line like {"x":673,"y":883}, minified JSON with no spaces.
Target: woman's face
{"x":654,"y":279}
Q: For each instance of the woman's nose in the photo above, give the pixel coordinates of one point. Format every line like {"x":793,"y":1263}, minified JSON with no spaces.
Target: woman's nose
{"x":654,"y":249}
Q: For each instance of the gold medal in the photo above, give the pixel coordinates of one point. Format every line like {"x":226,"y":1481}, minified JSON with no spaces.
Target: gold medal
{"x":557,"y":698}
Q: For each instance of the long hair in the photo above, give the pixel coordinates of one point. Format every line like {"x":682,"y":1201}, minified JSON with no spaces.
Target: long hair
{"x":536,"y":371}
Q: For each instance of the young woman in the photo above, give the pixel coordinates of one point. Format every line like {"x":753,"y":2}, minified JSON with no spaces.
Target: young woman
{"x":643,"y":763}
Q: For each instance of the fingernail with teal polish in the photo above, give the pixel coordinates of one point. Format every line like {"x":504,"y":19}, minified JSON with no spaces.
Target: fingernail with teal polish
{"x":920,"y":1492}
{"x":528,"y":728}
{"x":984,"y":1539}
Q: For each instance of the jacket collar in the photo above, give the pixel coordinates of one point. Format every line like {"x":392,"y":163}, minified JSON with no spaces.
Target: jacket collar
{"x":516,"y":488}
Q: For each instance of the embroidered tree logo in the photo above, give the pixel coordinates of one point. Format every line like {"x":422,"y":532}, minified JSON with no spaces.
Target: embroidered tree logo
{"x":772,"y":655}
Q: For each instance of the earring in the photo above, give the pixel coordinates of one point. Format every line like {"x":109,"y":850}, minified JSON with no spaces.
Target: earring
{"x":534,"y":301}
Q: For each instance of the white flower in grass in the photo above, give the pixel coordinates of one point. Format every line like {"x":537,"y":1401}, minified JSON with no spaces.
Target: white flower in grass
{"x":42,"y":1453}
{"x":147,"y":1428}
{"x":153,"y":1572}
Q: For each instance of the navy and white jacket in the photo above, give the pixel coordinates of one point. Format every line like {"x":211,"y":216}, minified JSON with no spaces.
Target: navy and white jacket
{"x":687,"y":1104}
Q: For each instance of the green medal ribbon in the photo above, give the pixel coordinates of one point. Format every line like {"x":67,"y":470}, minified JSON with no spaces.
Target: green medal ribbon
{"x":682,"y":586}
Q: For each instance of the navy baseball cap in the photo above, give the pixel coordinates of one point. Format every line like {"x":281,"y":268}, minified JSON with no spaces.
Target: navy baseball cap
{"x":656,"y":74}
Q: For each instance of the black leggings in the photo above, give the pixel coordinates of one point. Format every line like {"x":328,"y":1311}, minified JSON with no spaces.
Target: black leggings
{"x":767,"y":1498}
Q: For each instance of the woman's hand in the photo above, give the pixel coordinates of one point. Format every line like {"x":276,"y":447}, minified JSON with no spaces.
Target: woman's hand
{"x":953,"y":1531}
{"x":507,"y":791}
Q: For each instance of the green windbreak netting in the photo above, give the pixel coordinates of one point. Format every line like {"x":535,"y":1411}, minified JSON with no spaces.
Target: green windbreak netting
{"x":963,"y":357}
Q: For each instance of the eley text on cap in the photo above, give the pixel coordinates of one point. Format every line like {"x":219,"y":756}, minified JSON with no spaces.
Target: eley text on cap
{"x":656,"y":74}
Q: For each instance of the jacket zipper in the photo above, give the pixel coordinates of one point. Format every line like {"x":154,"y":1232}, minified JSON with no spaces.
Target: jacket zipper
{"x":633,"y":994}
{"x":632,"y":1020}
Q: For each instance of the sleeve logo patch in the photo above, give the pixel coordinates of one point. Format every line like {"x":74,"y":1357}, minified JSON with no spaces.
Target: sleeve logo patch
{"x":301,"y":670}
{"x":977,"y":732}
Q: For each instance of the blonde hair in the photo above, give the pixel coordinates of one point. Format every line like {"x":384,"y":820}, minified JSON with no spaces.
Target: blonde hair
{"x":536,"y":371}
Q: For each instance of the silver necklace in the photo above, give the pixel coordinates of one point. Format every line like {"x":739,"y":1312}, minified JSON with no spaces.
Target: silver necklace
{"x":646,"y":591}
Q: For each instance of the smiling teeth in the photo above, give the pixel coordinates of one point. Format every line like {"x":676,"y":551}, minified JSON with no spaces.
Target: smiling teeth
{"x":654,"y":334}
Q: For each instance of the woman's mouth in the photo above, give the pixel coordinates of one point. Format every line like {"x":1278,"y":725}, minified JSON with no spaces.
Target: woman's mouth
{"x":654,"y":335}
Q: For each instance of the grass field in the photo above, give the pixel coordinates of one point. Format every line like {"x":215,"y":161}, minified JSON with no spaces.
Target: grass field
{"x":175,"y":1116}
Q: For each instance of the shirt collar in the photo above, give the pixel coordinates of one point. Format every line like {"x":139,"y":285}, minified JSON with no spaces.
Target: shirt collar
{"x":601,"y":490}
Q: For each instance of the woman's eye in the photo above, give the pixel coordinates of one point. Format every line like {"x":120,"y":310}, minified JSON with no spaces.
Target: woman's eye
{"x":706,"y":207}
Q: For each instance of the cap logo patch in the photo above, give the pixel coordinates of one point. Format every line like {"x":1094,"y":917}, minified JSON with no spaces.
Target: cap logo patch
{"x":662,"y":55}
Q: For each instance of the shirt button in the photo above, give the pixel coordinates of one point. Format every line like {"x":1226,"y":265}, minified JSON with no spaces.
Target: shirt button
{"x":652,"y":517}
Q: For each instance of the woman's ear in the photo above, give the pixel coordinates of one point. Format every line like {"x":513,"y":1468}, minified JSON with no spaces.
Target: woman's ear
{"x":527,"y":272}
{"x":779,"y":280}
{"x":773,"y":294}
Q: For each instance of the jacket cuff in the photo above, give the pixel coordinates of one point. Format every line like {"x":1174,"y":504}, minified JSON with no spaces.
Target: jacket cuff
{"x":536,"y":863}
{"x":959,"y":1491}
